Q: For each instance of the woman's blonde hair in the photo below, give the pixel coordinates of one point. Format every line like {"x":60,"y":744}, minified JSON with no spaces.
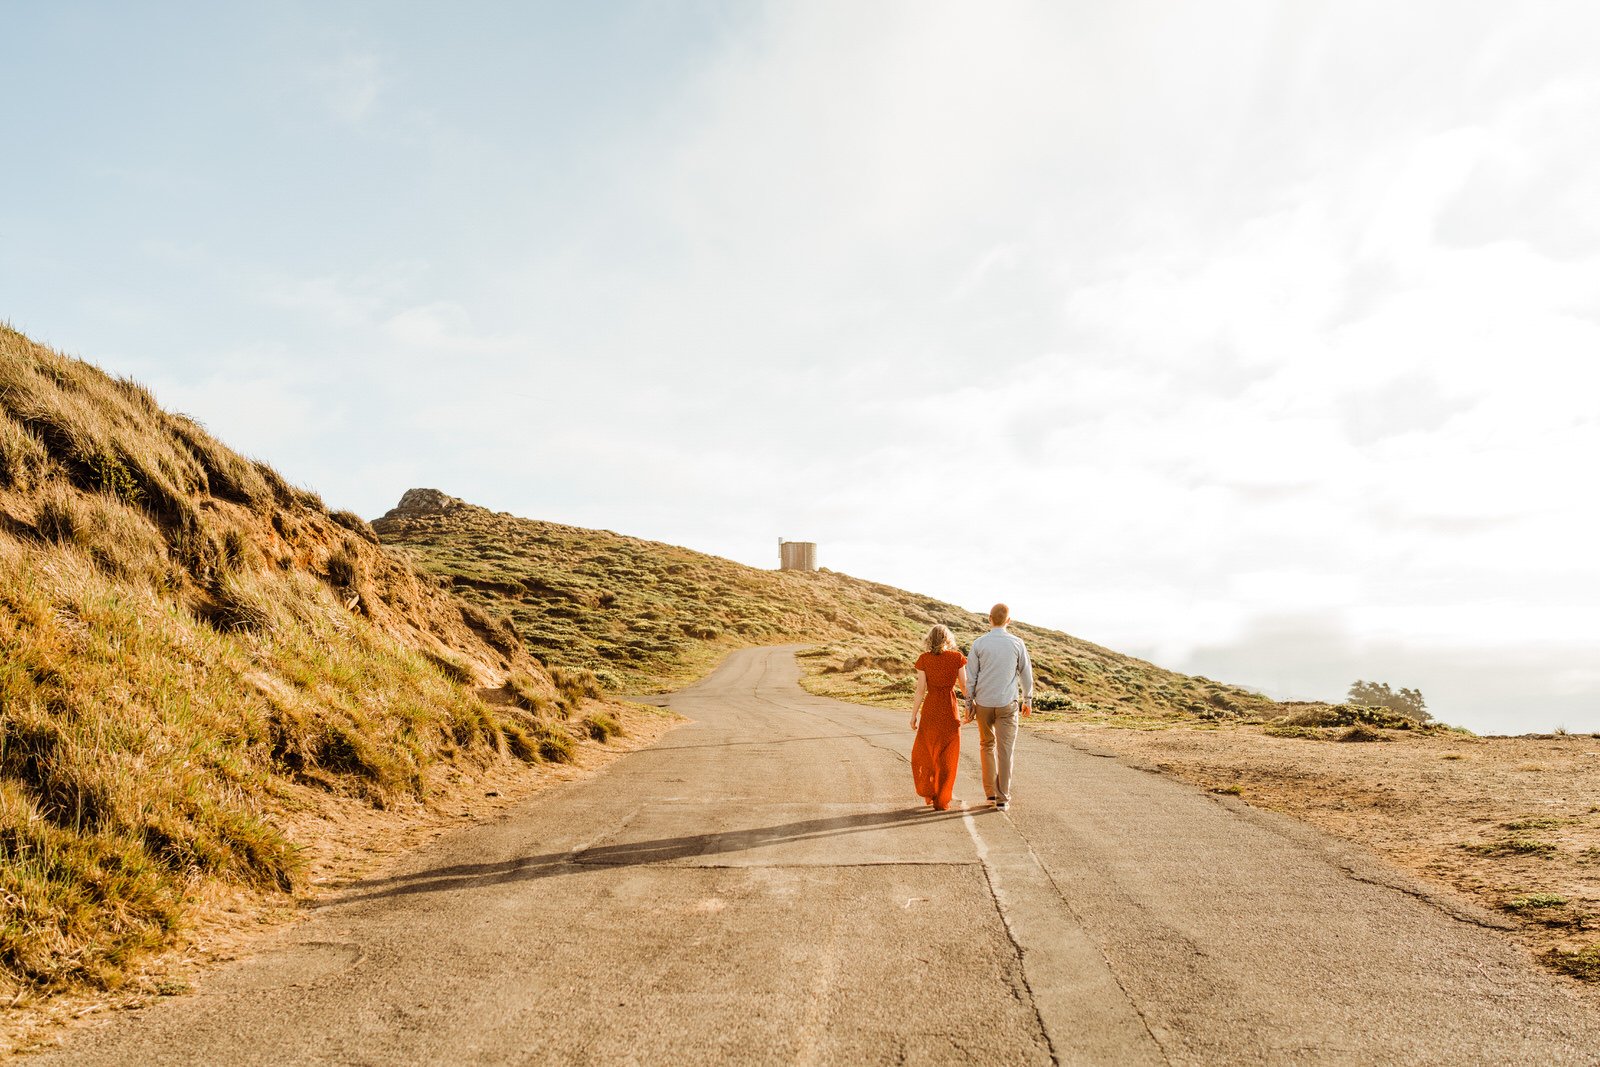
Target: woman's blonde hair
{"x":939,"y":639}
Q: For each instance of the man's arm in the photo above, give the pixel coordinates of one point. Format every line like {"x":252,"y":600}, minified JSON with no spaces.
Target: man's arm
{"x":974,"y":663}
{"x":1025,"y":670}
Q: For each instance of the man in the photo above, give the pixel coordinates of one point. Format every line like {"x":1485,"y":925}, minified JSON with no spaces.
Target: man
{"x":998,"y":674}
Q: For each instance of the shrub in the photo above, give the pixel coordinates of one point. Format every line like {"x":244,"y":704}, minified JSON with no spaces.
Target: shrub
{"x":601,"y":727}
{"x":574,"y":685}
{"x":113,"y":477}
{"x":525,"y":694}
{"x":1405,"y":702}
{"x":1363,"y":732}
{"x":520,"y":744}
{"x":1331,"y":715}
{"x":700,"y":631}
{"x":555,"y":744}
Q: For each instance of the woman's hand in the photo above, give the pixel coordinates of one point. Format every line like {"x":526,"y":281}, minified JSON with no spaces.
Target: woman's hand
{"x":913,"y":722}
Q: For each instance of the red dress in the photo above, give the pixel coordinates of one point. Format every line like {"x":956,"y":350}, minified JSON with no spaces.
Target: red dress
{"x":938,"y":745}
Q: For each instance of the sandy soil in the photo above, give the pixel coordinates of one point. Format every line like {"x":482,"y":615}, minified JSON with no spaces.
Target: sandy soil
{"x":1512,"y":824}
{"x":343,"y":843}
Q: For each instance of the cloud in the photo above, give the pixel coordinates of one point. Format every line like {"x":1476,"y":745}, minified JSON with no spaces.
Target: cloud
{"x":445,"y":328}
{"x":350,"y":85}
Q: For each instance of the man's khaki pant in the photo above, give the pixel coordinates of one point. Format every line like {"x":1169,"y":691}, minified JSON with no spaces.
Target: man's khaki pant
{"x":997,"y":743}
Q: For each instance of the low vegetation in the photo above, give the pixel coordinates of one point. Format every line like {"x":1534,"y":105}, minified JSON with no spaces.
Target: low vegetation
{"x":189,"y":646}
{"x":1404,"y":702}
{"x":1350,"y":722}
{"x":1581,"y":963}
{"x":642,"y":615}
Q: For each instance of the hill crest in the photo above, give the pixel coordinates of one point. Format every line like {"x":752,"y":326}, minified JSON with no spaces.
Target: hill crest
{"x":640,"y":612}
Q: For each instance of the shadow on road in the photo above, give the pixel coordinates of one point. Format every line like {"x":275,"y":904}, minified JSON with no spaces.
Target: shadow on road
{"x":628,"y":854}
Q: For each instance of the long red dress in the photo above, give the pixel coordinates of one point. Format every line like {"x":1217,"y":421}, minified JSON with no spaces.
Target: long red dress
{"x":938,"y":745}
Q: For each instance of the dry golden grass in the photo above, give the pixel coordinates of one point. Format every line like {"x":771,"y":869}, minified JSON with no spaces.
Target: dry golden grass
{"x":189,"y":646}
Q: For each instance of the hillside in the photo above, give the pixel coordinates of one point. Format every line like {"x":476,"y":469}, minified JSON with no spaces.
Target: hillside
{"x":641,"y":614}
{"x":193,"y":650}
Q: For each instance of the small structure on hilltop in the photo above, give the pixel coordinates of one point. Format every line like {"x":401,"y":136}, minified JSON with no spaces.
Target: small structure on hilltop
{"x":797,"y":555}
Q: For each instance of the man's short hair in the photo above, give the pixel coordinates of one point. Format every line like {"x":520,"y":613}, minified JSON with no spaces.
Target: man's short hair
{"x":999,"y":615}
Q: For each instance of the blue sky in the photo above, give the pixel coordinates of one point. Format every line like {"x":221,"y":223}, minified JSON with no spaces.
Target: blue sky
{"x":1255,"y":338}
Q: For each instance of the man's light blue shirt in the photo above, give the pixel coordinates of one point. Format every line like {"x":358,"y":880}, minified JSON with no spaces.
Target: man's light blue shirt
{"x":996,"y":665}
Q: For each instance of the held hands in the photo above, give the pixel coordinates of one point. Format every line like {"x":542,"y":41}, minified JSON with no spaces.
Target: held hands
{"x":1027,"y":709}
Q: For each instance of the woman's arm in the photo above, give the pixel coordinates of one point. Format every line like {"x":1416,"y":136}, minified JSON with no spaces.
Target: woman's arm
{"x":916,"y":701}
{"x":966,"y":692}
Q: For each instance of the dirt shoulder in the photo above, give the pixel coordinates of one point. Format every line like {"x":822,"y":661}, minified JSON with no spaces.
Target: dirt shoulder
{"x":342,"y":842}
{"x":1512,"y":824}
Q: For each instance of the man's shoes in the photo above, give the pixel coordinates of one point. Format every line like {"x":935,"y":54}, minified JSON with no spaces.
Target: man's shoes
{"x":991,"y":800}
{"x":1000,"y":805}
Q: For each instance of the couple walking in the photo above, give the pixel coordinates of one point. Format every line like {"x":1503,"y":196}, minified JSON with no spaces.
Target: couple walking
{"x":996,"y":681}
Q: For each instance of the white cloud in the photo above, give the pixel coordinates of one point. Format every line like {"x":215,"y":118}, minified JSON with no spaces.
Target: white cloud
{"x":445,"y":329}
{"x":350,"y":84}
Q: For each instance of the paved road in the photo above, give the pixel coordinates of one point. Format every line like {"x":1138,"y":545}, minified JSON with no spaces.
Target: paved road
{"x":762,"y":887}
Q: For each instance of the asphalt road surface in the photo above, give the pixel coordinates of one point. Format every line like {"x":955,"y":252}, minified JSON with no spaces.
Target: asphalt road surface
{"x":762,"y":886}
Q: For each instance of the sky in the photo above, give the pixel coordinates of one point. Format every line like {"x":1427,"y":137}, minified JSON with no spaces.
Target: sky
{"x":1261,"y":340}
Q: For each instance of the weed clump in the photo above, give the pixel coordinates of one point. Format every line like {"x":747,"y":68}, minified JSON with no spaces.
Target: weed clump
{"x":601,"y":727}
{"x":574,"y":685}
{"x":1511,"y":846}
{"x":555,"y":744}
{"x":1582,"y":964}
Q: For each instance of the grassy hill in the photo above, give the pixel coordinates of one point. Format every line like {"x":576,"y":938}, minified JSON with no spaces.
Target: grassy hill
{"x":190,"y":649}
{"x":642,"y":614}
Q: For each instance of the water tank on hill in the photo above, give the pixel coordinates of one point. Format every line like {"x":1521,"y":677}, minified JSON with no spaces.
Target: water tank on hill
{"x":797,"y":555}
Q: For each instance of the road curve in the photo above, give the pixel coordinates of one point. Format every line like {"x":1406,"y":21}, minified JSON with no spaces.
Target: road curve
{"x":761,"y":886}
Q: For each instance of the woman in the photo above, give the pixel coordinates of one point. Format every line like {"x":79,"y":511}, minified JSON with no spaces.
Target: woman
{"x":935,"y":719}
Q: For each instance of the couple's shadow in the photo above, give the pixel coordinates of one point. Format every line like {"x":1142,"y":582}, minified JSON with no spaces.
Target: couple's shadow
{"x":629,"y":854}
